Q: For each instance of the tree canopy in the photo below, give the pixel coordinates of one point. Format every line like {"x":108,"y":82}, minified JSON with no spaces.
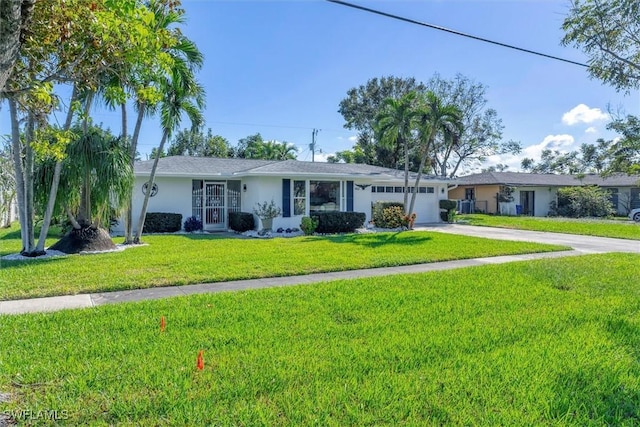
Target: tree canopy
{"x":479,"y":137}
{"x":607,"y":31}
{"x":189,"y":142}
{"x":254,"y":147}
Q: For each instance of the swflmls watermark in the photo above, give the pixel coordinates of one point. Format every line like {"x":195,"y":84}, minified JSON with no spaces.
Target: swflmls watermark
{"x":31,"y":415}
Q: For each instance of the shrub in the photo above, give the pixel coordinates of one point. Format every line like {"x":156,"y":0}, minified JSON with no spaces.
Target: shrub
{"x":393,"y":217}
{"x":308,"y":225}
{"x":578,"y":202}
{"x":241,"y":221}
{"x":448,"y":210}
{"x":267,"y":210}
{"x":339,"y":222}
{"x":161,"y":222}
{"x":380,"y":219}
{"x":192,"y":224}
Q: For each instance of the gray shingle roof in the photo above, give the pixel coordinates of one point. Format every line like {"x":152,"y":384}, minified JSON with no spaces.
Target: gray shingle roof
{"x":187,"y":166}
{"x":542,"y":179}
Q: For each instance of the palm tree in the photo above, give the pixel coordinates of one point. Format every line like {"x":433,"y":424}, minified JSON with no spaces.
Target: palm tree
{"x":286,"y":151}
{"x":182,"y":94}
{"x":433,"y":118}
{"x":394,"y":126}
{"x":183,"y":50}
{"x":95,"y":183}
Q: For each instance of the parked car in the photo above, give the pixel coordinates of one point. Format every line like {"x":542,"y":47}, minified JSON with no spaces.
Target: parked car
{"x":635,"y":215}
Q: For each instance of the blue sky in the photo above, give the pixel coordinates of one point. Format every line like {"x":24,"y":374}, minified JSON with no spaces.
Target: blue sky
{"x":281,"y":68}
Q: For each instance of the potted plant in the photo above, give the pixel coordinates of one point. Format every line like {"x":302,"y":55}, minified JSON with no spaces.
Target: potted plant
{"x":266,"y":212}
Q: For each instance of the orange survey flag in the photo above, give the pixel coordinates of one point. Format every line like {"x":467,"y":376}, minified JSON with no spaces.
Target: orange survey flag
{"x":200,"y":363}
{"x":163,"y":324}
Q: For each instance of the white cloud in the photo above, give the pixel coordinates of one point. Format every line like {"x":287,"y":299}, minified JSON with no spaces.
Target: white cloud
{"x":353,"y":138}
{"x":562,"y":143}
{"x":581,"y":113}
{"x":591,"y":129}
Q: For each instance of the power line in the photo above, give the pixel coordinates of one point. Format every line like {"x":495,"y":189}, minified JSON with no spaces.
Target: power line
{"x":457,"y":33}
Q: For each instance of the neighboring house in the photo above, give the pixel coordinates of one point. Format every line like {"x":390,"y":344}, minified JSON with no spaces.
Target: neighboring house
{"x":210,"y":188}
{"x":533,"y":193}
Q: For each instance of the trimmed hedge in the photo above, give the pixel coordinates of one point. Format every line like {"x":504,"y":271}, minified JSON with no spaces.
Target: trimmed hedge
{"x":386,"y":221}
{"x":162,"y":222}
{"x":339,"y":222}
{"x":448,"y":210}
{"x":448,"y":204}
{"x":241,"y":221}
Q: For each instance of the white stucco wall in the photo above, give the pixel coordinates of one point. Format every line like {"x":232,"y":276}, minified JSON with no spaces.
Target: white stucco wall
{"x":543,"y":196}
{"x":175,"y":196}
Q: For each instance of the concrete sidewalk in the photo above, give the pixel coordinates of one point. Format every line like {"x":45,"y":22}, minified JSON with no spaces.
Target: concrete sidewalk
{"x":36,"y":305}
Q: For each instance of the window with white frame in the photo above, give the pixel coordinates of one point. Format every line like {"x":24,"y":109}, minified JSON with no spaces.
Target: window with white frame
{"x":324,"y":196}
{"x":299,"y":197}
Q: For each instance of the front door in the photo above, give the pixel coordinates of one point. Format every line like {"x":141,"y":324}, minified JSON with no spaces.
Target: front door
{"x":527,"y":201}
{"x":214,"y":206}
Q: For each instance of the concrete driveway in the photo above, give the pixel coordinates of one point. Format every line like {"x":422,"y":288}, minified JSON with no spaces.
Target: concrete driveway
{"x":584,"y":244}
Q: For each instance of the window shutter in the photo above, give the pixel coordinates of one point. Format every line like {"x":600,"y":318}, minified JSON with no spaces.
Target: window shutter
{"x":286,"y":198}
{"x":349,"y":196}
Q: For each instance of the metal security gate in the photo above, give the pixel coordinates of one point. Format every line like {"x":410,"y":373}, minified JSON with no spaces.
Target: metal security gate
{"x":215,"y":216}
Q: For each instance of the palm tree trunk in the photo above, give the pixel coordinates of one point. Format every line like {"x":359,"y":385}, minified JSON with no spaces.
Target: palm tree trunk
{"x":128,"y":233}
{"x":28,"y":171}
{"x":26,"y":223}
{"x":152,"y":177}
{"x":415,"y":192}
{"x":84,"y":213}
{"x":406,"y":176}
{"x":46,"y":222}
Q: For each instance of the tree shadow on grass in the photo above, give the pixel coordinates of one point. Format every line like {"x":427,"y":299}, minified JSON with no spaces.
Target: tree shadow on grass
{"x":596,"y":394}
{"x":21,"y":263}
{"x":601,"y":393}
{"x":374,"y":240}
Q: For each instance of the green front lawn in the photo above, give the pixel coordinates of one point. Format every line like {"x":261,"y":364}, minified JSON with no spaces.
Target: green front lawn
{"x":549,"y":342}
{"x":588,"y":227}
{"x":185,"y":259}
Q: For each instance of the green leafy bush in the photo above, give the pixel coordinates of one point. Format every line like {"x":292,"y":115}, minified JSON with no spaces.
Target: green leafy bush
{"x":339,"y":222}
{"x":162,"y":222}
{"x":241,"y":221}
{"x":448,"y":210}
{"x":378,"y":215}
{"x":267,"y":210}
{"x":192,"y":224}
{"x":308,"y":225}
{"x":578,"y":202}
{"x":393,"y":217}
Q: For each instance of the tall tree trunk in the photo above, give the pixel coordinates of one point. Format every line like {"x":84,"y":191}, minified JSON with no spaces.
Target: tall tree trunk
{"x":128,"y":234}
{"x":152,"y":177}
{"x":406,"y":176}
{"x":123,"y":118}
{"x":84,"y":213}
{"x":26,"y":223}
{"x":28,"y":174}
{"x":11,"y":16}
{"x":423,"y":161}
{"x":46,"y":222}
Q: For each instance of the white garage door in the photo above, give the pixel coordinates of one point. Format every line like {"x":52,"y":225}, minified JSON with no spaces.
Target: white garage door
{"x":427,"y":206}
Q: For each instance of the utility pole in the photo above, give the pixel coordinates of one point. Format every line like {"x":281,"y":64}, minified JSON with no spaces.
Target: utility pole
{"x":312,"y":146}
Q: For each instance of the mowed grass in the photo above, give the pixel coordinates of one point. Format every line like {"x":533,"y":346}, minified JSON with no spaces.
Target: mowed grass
{"x":549,"y":342}
{"x":186,"y":259}
{"x":588,"y":227}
